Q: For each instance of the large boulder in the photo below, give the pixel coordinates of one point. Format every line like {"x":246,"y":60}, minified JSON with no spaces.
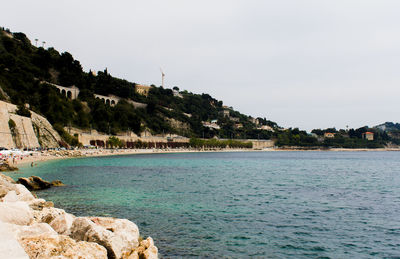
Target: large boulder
{"x":23,"y":193}
{"x":11,"y":196}
{"x":61,"y":246}
{"x":9,"y":246}
{"x":20,"y":193}
{"x":118,"y":236}
{"x":6,"y":184}
{"x":6,"y":178}
{"x":58,"y":219}
{"x":18,"y":213}
{"x":127,"y":230}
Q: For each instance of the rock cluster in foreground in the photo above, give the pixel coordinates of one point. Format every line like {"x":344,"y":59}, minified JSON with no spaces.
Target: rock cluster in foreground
{"x":33,"y":228}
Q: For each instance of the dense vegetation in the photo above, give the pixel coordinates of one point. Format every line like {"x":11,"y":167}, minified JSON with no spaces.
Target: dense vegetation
{"x":215,"y":143}
{"x":352,"y":138}
{"x":24,"y":68}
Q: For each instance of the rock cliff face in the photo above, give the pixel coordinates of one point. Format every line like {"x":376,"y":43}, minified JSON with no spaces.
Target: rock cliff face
{"x":33,"y":228}
{"x":28,"y":132}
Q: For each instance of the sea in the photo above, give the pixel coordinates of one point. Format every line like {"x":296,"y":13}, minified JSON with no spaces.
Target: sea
{"x":301,"y":204}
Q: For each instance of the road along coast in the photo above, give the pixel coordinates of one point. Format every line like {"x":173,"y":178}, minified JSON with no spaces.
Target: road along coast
{"x":31,"y":227}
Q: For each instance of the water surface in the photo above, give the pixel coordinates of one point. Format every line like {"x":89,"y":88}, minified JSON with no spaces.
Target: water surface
{"x":249,"y":204}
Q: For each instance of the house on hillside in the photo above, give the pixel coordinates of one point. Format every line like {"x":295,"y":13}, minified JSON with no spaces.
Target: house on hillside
{"x":176,"y":93}
{"x":329,"y":135}
{"x":266,"y":127}
{"x":142,"y":89}
{"x":211,"y":125}
{"x":238,"y":125}
{"x":225,"y":113}
{"x":254,"y":120}
{"x":368,"y":135}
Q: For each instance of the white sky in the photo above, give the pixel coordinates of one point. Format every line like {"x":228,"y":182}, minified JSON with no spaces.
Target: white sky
{"x":301,"y":63}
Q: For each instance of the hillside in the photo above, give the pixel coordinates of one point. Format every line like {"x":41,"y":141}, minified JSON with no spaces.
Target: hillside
{"x":55,"y":86}
{"x":29,"y":74}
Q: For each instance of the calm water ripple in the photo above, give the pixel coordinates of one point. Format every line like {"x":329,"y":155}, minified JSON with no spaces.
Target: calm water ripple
{"x":238,"y":205}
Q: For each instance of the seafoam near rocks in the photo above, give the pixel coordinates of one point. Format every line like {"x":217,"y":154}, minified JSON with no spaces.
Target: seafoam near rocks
{"x":33,"y":228}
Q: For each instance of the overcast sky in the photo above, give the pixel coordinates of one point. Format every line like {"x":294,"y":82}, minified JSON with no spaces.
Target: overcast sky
{"x":301,"y":63}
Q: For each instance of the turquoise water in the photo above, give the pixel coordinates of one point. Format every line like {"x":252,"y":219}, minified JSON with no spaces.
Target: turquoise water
{"x":240,"y":205}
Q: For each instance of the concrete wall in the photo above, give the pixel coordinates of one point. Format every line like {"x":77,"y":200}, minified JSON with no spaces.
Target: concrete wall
{"x":71,"y":92}
{"x":110,"y":100}
{"x":261,"y":144}
{"x":85,"y":137}
{"x":258,"y":144}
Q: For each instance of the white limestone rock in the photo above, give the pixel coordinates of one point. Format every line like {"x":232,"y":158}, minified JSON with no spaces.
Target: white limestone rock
{"x":125,"y":229}
{"x":147,"y":242}
{"x":151,"y":252}
{"x":17,"y":213}
{"x":119,"y":237}
{"x":58,"y":219}
{"x":39,"y":204}
{"x":6,"y":184}
{"x":61,"y":246}
{"x":9,"y":246}
{"x":19,"y":193}
{"x":11,"y":196}
{"x":146,"y":250}
{"x":31,"y":230}
{"x":63,"y":223}
{"x":23,"y":193}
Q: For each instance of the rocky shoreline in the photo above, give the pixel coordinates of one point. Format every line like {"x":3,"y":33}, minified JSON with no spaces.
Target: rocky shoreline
{"x":31,"y":227}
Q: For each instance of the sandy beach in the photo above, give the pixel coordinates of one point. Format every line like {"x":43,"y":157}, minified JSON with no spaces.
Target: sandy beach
{"x":42,"y":156}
